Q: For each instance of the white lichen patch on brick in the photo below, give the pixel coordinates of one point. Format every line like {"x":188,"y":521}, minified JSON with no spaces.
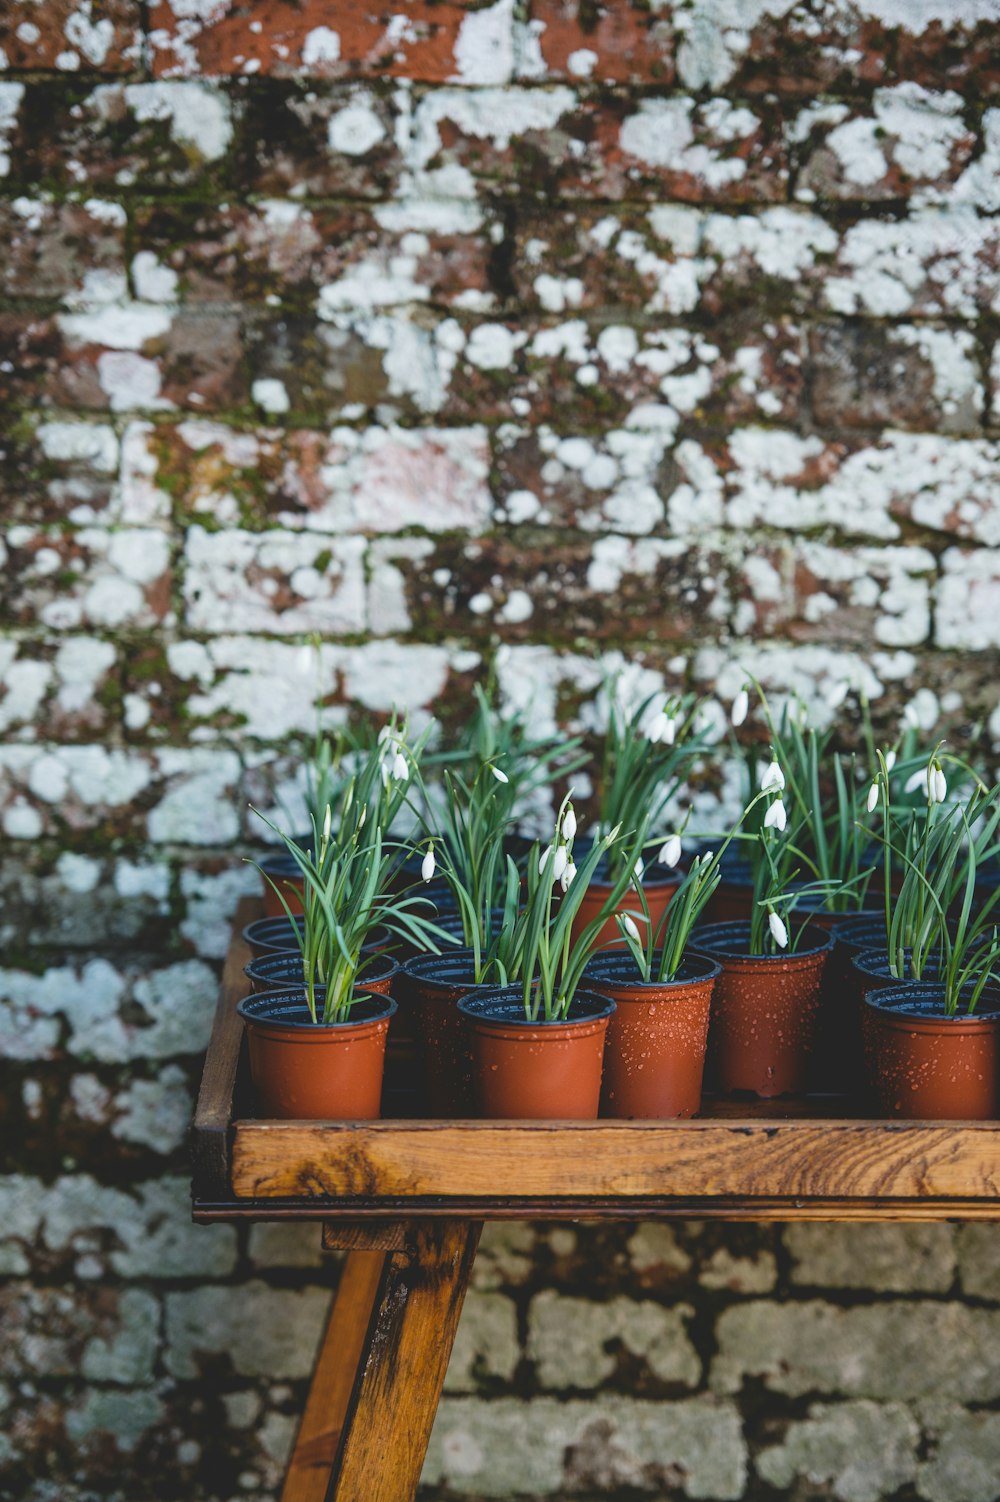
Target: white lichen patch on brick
{"x":95,"y":577}
{"x":662,"y":134}
{"x":569,"y":1339}
{"x":489,"y":114}
{"x":11,"y":96}
{"x":933,"y":262}
{"x":198,"y":113}
{"x":484,"y":47}
{"x":278,"y":583}
{"x":967,"y":602}
{"x":863,"y":1450}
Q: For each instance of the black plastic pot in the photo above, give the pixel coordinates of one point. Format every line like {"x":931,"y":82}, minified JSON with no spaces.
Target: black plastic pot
{"x":276,"y":936}
{"x":839,"y":1062}
{"x":277,"y":971}
{"x":428,"y":989}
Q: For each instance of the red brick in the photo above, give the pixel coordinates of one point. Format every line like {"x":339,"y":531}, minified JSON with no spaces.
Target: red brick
{"x":49,"y":248}
{"x":118,"y":135}
{"x":877,"y":375}
{"x":319,"y":140}
{"x":491,"y":582}
{"x":615,"y":41}
{"x":290,"y":252}
{"x":420,"y":39}
{"x":834,"y":138}
{"x":77,"y":36}
{"x":554,"y":144}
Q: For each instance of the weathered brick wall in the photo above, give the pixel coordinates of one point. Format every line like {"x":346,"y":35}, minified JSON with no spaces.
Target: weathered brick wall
{"x":461,"y":336}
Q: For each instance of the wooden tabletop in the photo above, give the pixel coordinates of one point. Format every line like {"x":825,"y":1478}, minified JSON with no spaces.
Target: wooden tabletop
{"x":773,"y":1160}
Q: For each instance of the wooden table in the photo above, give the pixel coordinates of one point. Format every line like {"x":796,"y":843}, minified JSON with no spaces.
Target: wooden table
{"x":407,"y":1200}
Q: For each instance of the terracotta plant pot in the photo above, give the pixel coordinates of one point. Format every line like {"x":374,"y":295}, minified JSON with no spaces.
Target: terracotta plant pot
{"x":925,"y":1066}
{"x":283,"y":870}
{"x":536,"y":1071}
{"x":309,"y":1071}
{"x":284,"y":971}
{"x":765,"y":1010}
{"x":428,"y":990}
{"x":654,"y":1057}
{"x":658,"y":894}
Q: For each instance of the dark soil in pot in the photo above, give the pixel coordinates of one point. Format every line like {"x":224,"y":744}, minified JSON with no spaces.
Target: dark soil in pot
{"x":765,"y":1010}
{"x":536,"y":1071}
{"x":428,"y":989}
{"x":309,"y":1071}
{"x":281,"y":971}
{"x":654,"y":1056}
{"x":926,"y":1066}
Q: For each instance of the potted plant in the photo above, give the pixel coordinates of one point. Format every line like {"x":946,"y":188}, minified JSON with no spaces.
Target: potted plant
{"x":654,"y":1057}
{"x":766,"y":1002}
{"x":317,"y":1048}
{"x":932,"y":1039}
{"x":641,"y":768}
{"x":464,"y":829}
{"x":538,"y":1039}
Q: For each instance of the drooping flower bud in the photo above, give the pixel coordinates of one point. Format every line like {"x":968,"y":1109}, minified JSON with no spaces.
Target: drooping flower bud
{"x":569,"y":825}
{"x":327,"y":822}
{"x":670,"y":851}
{"x":740,"y":709}
{"x":776,"y":818}
{"x":559,"y":862}
{"x":400,"y":770}
{"x":628,"y":925}
{"x":873,"y":797}
{"x":639,"y":868}
{"x":938,"y":784}
{"x":543,"y":858}
{"x":568,"y":877}
{"x":779,"y":932}
{"x":773,"y":777}
{"x":499,"y":775}
{"x":428,"y":865}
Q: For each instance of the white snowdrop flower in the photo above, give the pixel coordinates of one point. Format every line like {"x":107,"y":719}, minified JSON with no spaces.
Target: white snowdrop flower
{"x":628,"y":925}
{"x":776,"y":818}
{"x":779,"y":932}
{"x":543,"y":858}
{"x":428,"y":865}
{"x":838,"y":694}
{"x":911,"y":718}
{"x":560,"y":862}
{"x":916,"y":780}
{"x":658,"y":728}
{"x":639,"y":868}
{"x":569,"y":824}
{"x":499,"y":775}
{"x":890,"y":760}
{"x":938,"y":785}
{"x":740,"y":709}
{"x":773,"y":777}
{"x":568,"y":877}
{"x":873,"y":797}
{"x":670,"y":851}
{"x":327,"y":822}
{"x":399,"y":768}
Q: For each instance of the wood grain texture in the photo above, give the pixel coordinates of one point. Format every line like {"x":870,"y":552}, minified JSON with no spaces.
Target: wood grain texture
{"x":620,"y":1162}
{"x":375,"y":1236}
{"x":334,"y":1375}
{"x":214,"y":1110}
{"x":392,"y":1407}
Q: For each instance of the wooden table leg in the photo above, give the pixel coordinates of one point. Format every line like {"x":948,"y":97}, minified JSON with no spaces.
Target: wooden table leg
{"x":333,"y":1379}
{"x":401,"y":1373}
{"x":382,"y":1364}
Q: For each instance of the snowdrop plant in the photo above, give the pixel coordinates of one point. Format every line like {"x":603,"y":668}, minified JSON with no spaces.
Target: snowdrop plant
{"x":347,"y":895}
{"x":659,"y":950}
{"x":539,"y":949}
{"x":933,"y":915}
{"x":643,"y":762}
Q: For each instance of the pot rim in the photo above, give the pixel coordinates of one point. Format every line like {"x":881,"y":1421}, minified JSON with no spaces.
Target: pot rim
{"x":290,"y":956}
{"x":474,"y":1009}
{"x":890,"y":1003}
{"x":413,"y":969}
{"x":784,"y":956}
{"x":382,"y":1007}
{"x":616,"y":960}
